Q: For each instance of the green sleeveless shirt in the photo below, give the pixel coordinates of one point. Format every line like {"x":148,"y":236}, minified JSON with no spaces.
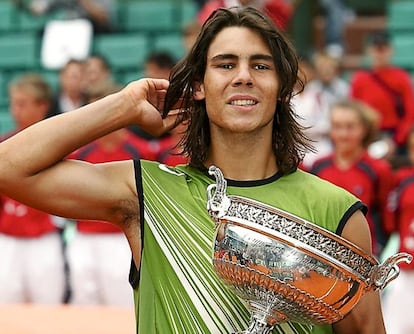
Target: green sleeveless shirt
{"x":176,"y":289}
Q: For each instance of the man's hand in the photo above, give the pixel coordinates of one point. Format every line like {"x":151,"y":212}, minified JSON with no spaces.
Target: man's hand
{"x":147,"y":97}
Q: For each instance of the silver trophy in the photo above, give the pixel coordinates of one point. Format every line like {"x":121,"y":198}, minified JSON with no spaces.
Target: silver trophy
{"x":286,"y":268}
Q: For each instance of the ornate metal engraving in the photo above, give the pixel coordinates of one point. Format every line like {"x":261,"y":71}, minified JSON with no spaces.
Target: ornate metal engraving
{"x":286,"y":268}
{"x":302,"y":233}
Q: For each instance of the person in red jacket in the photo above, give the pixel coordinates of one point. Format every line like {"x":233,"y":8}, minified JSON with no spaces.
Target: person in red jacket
{"x":31,"y":257}
{"x":98,"y":256}
{"x":387,"y":88}
{"x":353,"y":127}
{"x":399,"y":319}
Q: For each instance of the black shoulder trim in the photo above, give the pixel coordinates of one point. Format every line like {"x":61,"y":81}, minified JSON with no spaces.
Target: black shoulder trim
{"x":401,"y":187}
{"x":134,"y":272}
{"x":132,"y":151}
{"x":354,"y":207}
{"x":85,"y":151}
{"x":405,"y":183}
{"x":320,"y":165}
{"x":368,"y":170}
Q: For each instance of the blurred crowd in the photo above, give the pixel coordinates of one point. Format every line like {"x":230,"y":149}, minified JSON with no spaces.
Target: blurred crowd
{"x":361,"y":126}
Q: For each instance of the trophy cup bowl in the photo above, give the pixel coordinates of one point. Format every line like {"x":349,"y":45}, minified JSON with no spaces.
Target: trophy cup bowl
{"x":286,"y":268}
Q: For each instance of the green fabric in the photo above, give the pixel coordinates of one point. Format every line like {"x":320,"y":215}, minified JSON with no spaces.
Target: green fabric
{"x":179,"y":291}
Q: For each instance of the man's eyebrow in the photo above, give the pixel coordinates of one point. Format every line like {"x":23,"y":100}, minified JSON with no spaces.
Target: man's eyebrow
{"x":265,"y":57}
{"x":227,"y":56}
{"x":224,"y":56}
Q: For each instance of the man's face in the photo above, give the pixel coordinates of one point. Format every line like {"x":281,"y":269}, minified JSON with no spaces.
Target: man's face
{"x":380,"y":54}
{"x":240,"y":85}
{"x":326,"y":69}
{"x":347,"y":130}
{"x":25,"y":108}
{"x":95,"y":71}
{"x":71,"y":79}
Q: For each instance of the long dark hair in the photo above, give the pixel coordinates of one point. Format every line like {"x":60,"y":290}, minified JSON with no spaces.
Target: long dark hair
{"x":289,"y":142}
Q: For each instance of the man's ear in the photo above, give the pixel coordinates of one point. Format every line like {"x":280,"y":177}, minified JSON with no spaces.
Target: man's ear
{"x":199,"y":91}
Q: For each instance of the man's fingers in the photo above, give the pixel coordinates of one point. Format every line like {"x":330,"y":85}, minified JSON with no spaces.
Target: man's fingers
{"x":158,"y":84}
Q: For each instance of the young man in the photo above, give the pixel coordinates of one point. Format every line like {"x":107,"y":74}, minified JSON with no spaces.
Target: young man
{"x":234,"y":88}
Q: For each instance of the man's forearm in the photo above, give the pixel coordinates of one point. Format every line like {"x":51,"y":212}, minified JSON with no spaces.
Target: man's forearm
{"x":47,"y":142}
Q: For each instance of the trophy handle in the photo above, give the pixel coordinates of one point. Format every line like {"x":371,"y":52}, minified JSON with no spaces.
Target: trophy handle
{"x":388,"y":270}
{"x":217,"y":200}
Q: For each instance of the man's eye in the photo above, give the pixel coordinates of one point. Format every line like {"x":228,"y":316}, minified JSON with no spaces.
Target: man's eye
{"x":261,"y":67}
{"x":227,"y":66}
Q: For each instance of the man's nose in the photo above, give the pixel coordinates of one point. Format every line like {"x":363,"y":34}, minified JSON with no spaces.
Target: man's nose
{"x":243,"y":76}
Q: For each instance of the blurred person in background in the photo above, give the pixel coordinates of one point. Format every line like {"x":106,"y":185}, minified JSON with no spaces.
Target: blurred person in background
{"x":314,"y":103}
{"x":399,"y":301}
{"x":98,"y":255}
{"x":99,"y":12}
{"x":31,"y":253}
{"x":30,"y":99}
{"x":96,"y":68}
{"x":327,"y":80}
{"x":70,"y":90}
{"x":388,"y":89}
{"x":354,"y":126}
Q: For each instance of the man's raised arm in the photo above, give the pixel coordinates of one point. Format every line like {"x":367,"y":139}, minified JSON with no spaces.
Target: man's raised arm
{"x":33,"y":169}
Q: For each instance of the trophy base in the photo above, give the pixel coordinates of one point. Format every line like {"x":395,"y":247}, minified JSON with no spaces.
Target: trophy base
{"x":257,"y":327}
